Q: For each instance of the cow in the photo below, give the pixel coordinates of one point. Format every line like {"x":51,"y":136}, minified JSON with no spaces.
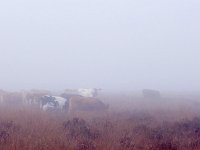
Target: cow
{"x":22,"y":97}
{"x":84,"y":92}
{"x":33,"y":96}
{"x":11,"y":98}
{"x":48,"y":103}
{"x":53,"y":103}
{"x":79,"y":103}
{"x":92,"y":92}
{"x":2,"y":96}
{"x":152,"y":94}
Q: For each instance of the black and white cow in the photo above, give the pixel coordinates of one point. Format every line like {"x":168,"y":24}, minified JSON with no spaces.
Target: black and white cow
{"x":53,"y":103}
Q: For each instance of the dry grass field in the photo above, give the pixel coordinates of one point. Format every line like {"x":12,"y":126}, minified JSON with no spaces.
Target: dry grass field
{"x":131,"y":123}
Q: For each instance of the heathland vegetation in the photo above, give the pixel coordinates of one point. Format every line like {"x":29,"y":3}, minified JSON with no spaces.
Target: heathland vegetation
{"x":131,"y":123}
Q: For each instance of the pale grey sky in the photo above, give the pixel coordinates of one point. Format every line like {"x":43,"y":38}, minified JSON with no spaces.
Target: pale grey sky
{"x":115,"y":44}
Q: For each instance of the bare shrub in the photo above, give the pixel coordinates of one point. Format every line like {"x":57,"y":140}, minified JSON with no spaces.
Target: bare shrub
{"x":77,"y":128}
{"x":127,"y":143}
{"x":85,"y":145}
{"x":29,"y":128}
{"x":6,"y":129}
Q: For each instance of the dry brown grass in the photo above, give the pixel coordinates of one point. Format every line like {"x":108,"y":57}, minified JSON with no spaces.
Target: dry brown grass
{"x":154,"y":126}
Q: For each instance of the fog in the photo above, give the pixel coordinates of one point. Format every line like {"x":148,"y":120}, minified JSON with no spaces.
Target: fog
{"x":109,"y":44}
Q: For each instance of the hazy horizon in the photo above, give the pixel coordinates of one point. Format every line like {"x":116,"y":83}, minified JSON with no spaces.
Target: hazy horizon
{"x":122,"y":45}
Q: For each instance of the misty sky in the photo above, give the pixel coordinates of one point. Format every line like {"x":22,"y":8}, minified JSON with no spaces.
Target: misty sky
{"x":114,"y":44}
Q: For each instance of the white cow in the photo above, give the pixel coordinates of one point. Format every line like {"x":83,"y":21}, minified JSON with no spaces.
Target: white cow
{"x":85,"y":92}
{"x":52,"y":103}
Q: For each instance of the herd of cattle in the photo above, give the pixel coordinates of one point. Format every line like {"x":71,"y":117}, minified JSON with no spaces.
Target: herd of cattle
{"x":69,"y":100}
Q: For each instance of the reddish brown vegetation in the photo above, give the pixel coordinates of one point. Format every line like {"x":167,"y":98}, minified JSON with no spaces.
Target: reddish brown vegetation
{"x":28,"y":128}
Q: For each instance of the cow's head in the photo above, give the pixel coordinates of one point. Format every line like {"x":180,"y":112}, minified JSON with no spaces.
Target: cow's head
{"x":47,"y":99}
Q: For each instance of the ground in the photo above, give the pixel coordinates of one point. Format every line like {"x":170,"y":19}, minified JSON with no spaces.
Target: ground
{"x":131,"y":123}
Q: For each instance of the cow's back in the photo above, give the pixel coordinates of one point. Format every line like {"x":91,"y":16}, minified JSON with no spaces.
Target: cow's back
{"x":79,"y":103}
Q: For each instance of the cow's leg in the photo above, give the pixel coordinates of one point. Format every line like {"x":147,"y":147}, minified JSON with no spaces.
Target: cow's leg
{"x":70,"y":109}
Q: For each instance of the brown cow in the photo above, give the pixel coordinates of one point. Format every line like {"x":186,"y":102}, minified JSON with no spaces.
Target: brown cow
{"x":2,"y":96}
{"x":11,"y":98}
{"x":79,"y":103}
{"x":33,"y":96}
{"x":151,"y":94}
